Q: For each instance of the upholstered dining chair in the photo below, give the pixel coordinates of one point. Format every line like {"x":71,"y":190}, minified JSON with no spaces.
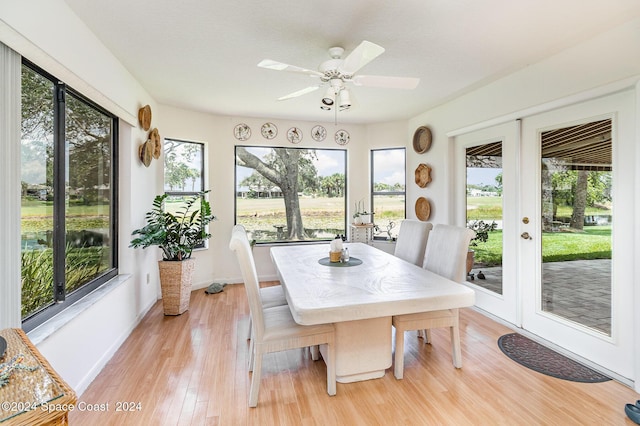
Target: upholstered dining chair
{"x":412,"y":240}
{"x":445,"y":255}
{"x":273,"y":329}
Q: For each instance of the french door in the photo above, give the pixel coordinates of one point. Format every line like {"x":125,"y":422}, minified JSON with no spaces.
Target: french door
{"x":566,"y":190}
{"x":487,"y":168}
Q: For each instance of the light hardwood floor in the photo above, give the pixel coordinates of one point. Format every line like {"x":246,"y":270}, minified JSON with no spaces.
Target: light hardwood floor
{"x":192,"y":370}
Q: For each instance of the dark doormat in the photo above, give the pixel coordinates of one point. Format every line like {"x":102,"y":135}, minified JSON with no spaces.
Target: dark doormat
{"x":539,"y":358}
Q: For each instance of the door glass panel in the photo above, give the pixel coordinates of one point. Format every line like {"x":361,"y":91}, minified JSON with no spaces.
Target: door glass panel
{"x":484,"y":215}
{"x":576,"y":224}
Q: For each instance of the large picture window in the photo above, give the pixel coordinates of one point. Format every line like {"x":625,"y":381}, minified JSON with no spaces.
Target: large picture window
{"x":291,"y":194}
{"x":388,"y":179}
{"x":68,"y":196}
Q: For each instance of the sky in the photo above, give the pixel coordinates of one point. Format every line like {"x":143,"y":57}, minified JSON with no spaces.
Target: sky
{"x":482,"y":176}
{"x":389,"y":164}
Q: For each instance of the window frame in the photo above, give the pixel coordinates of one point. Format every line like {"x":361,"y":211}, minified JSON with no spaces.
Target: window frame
{"x":374,"y":192}
{"x":61,"y":299}
{"x":205,"y":243}
{"x":346,"y":220}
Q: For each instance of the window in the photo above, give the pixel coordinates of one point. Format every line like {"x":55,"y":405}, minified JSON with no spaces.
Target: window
{"x":388,"y":181}
{"x":183,"y":167}
{"x":291,"y":194}
{"x":183,"y":172}
{"x":68,"y":196}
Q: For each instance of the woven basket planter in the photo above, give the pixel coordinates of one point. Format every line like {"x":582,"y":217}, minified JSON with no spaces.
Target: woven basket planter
{"x":175,"y":283}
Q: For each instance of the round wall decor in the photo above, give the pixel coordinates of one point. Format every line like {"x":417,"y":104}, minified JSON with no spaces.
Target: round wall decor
{"x":342,"y":137}
{"x":242,"y":132}
{"x":269,"y":130}
{"x":145,"y":152}
{"x":422,"y":139}
{"x":294,"y":135}
{"x":423,"y":175}
{"x":144,"y":117}
{"x":154,"y":136}
{"x":423,"y":209}
{"x":318,"y":133}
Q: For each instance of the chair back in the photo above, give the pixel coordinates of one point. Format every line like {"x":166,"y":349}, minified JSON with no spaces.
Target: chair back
{"x":240,"y":245}
{"x":412,"y":240}
{"x":446,"y":252}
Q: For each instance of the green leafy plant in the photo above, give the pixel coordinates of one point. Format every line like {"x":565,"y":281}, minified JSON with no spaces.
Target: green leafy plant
{"x":176,"y":234}
{"x":482,"y":229}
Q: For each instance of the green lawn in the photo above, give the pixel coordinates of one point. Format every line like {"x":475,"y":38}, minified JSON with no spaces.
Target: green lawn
{"x":593,"y":243}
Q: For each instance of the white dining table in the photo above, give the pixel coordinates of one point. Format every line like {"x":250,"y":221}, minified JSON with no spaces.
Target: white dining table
{"x":360,"y":300}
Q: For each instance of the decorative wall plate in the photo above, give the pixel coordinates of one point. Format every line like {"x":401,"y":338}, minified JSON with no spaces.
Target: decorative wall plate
{"x":423,"y":175}
{"x":144,"y":117}
{"x":294,"y":135}
{"x":145,"y":152}
{"x":318,"y":133}
{"x":423,"y":209}
{"x":422,"y":140}
{"x":157,"y":143}
{"x":342,"y":137}
{"x":269,"y":130}
{"x":242,"y":132}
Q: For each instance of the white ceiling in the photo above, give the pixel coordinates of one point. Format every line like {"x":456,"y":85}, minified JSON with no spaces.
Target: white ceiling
{"x":202,"y":54}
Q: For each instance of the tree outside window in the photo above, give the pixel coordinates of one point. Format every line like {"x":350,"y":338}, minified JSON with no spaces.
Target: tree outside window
{"x":291,"y":194}
{"x":183,"y":173}
{"x":68,"y":196}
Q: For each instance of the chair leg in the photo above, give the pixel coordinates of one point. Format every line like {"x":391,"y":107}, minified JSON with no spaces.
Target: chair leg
{"x":398,"y":369}
{"x":456,"y":351}
{"x":250,"y":361}
{"x":331,"y":369}
{"x":455,"y":346}
{"x":255,"y":380}
{"x":427,"y":335}
{"x":249,"y":336}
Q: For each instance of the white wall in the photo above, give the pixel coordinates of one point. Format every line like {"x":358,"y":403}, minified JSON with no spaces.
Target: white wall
{"x":217,"y":263}
{"x":606,"y":64}
{"x":47,"y":33}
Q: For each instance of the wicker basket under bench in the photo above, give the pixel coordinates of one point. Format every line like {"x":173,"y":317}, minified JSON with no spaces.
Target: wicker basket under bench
{"x":35,"y":394}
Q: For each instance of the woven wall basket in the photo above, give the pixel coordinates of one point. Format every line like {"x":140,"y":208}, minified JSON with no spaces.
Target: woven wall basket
{"x":175,"y":282}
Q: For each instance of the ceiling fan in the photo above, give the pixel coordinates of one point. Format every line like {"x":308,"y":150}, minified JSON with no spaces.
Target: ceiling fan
{"x":336,"y":71}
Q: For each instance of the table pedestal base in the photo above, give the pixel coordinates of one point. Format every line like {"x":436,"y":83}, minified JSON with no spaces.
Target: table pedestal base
{"x":363,"y":349}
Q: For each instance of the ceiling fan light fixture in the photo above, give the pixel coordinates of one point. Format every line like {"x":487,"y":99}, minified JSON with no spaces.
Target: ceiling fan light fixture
{"x":345,"y":100}
{"x":329,"y":97}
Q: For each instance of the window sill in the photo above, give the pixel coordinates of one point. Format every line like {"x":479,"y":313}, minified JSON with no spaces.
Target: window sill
{"x":49,"y":327}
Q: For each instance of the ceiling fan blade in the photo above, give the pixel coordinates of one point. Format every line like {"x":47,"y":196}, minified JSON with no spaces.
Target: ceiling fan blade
{"x":385,"y":82}
{"x":279,"y":66}
{"x":299,"y":93}
{"x":361,"y":56}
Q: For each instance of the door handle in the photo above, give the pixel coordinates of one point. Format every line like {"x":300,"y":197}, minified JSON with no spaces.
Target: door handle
{"x":526,"y":236}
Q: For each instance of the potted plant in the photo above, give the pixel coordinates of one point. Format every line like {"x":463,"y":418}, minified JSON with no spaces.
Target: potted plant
{"x":177,"y":235}
{"x":361,"y":216}
{"x":482,"y":229}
